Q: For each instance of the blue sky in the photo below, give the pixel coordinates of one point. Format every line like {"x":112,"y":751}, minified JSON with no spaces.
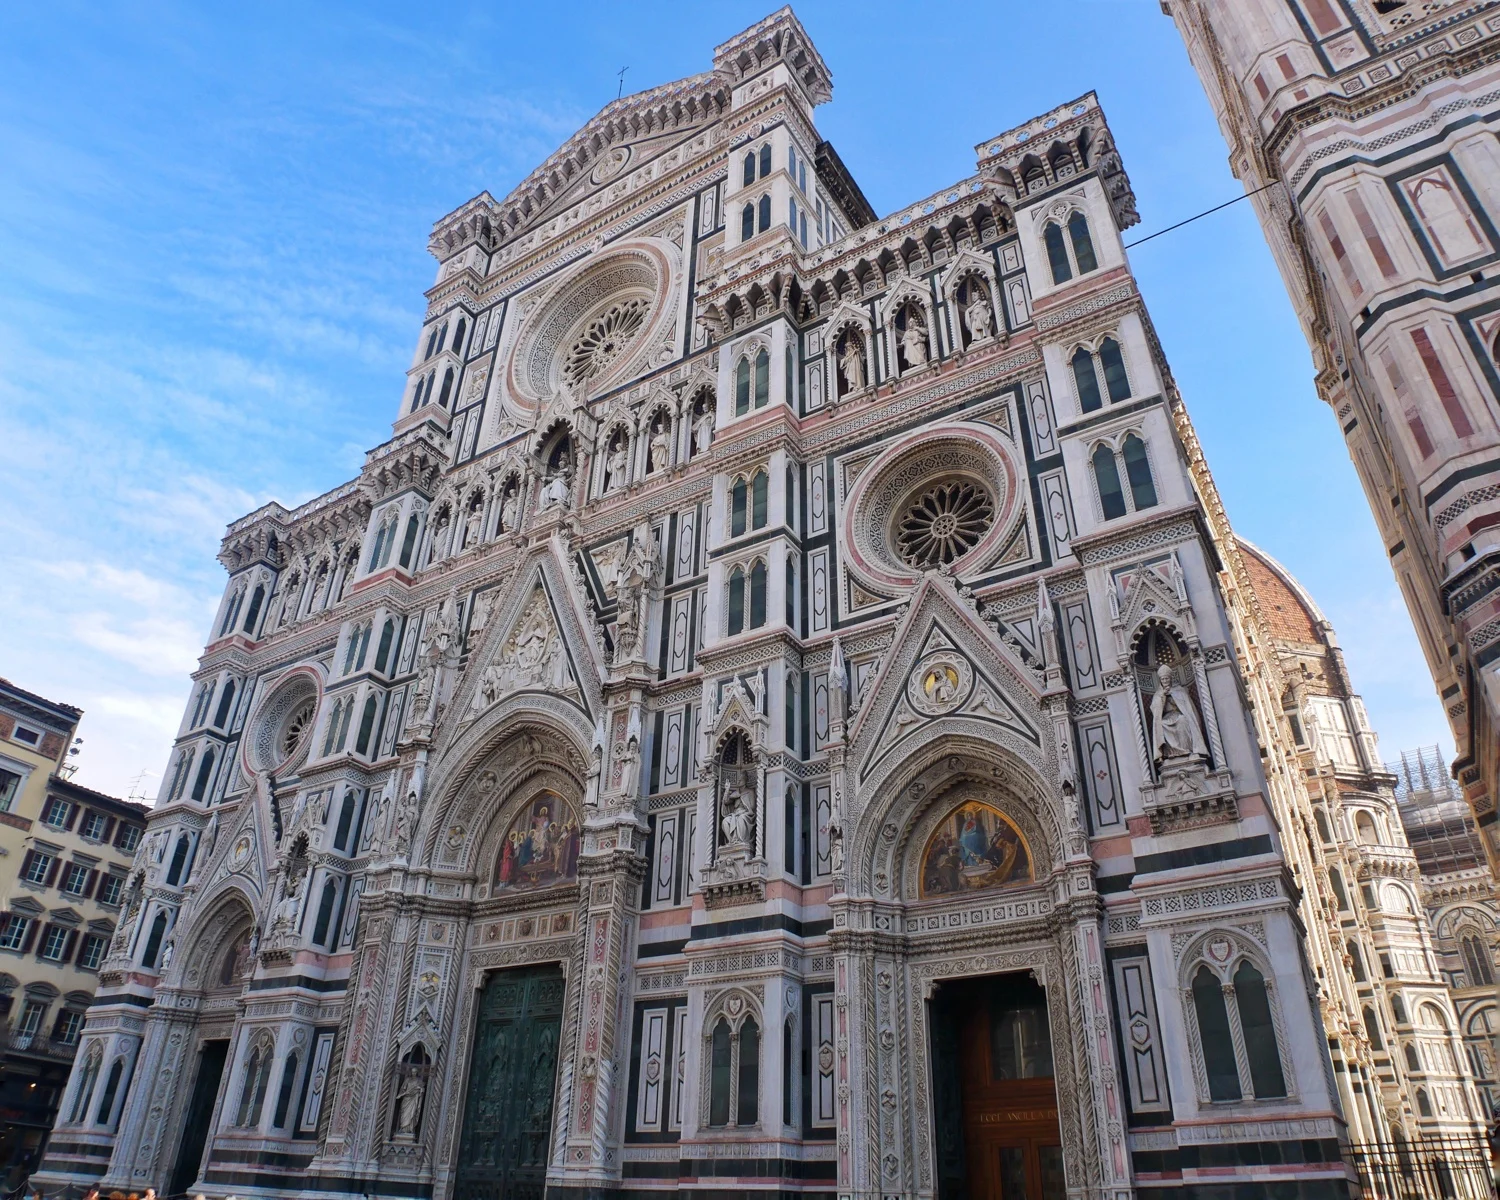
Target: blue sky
{"x":213,"y":222}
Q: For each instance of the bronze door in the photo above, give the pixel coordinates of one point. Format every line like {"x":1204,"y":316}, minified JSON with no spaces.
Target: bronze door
{"x":512,"y":1078}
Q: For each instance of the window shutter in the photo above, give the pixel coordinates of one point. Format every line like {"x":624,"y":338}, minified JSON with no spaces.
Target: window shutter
{"x":5,"y":920}
{"x":109,"y":828}
{"x":52,"y":871}
{"x":89,"y":884}
{"x":26,"y":862}
{"x":71,"y":946}
{"x":30,"y":937}
{"x":73,"y":812}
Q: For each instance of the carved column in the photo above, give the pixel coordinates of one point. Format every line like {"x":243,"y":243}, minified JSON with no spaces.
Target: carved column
{"x":155,"y":1079}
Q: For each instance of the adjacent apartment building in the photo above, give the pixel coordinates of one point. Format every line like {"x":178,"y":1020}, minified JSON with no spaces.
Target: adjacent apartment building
{"x":1365,"y":130}
{"x":65,"y":853}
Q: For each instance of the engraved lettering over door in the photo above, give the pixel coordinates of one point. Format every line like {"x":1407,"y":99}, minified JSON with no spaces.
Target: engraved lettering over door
{"x":512,"y":1079}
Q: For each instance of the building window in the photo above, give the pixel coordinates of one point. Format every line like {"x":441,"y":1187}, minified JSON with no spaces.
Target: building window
{"x":765,"y":160}
{"x":1057,"y":253}
{"x":76,"y":879}
{"x":284,"y":1093}
{"x":37,"y":868}
{"x":69,"y":1024}
{"x":1089,"y":367}
{"x":1251,"y":1061}
{"x":257,"y":1075}
{"x":55,"y":813}
{"x":205,"y":774}
{"x":738,"y":504}
{"x":179,"y":860}
{"x":366,"y":726}
{"x":1112,"y":496}
{"x":736,"y":621}
{"x":734,"y":1074}
{"x":93,"y":826}
{"x":1107,"y":479}
{"x":154,"y":940}
{"x":10,"y":784}
{"x":85,"y":1088}
{"x":1083,"y":244}
{"x":1372,"y":1030}
{"x":763,"y":212}
{"x":54,"y":943}
{"x":757,"y":595}
{"x":747,"y":222}
{"x":1477,"y":961}
{"x":226,"y":706}
{"x":325,"y":913}
{"x":742,"y":387}
{"x":762,"y":378}
{"x":1083,"y":258}
{"x":128,"y":838}
{"x":110,"y":888}
{"x":1086,"y":381}
{"x":111,"y":1090}
{"x":749,"y":173}
{"x":13,"y":931}
{"x":92,"y":953}
{"x":760,"y":488}
{"x":31,"y":1018}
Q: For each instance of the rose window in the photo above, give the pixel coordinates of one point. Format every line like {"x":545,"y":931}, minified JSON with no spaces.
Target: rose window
{"x":604,"y":339}
{"x":944,"y":523}
{"x":296,"y":729}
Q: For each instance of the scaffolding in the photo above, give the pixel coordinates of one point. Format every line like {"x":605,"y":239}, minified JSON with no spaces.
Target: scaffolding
{"x":1435,"y":814}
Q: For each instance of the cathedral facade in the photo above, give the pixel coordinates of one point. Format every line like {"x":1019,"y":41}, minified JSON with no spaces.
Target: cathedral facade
{"x":784,"y":712}
{"x":1366,"y":132}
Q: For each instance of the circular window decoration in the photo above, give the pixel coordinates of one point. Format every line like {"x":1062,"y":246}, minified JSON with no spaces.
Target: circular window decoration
{"x":279,"y":732}
{"x":604,"y":339}
{"x":944,"y":522}
{"x":945,"y":497}
{"x":298,"y":726}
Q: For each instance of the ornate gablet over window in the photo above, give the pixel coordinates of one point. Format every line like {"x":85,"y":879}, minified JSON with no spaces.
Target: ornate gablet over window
{"x":733,"y":1058}
{"x":1233,"y":1009}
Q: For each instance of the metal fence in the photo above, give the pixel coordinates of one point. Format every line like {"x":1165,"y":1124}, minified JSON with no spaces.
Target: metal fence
{"x":1441,"y":1168}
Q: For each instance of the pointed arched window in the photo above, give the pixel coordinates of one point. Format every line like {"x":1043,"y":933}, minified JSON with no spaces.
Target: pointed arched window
{"x":1254,"y":1004}
{"x":791,"y":595}
{"x":742,"y":387}
{"x":366,"y":726}
{"x":1372,"y":1030}
{"x":1057,"y":253}
{"x":85,"y":1089}
{"x":409,"y":542}
{"x":736,"y":616}
{"x":749,"y":173}
{"x":760,"y":488}
{"x":765,"y":160}
{"x":747,"y":222}
{"x":1138,"y":471}
{"x":738,"y":503}
{"x":1116,"y":383}
{"x":205,"y":773}
{"x":1356,"y":961}
{"x":1083,"y":245}
{"x":325,"y":912}
{"x":747,"y":1110}
{"x":226,"y":705}
{"x":153,"y":940}
{"x":257,"y":598}
{"x":383,"y":652}
{"x":458,"y":333}
{"x":346,"y":819}
{"x":179,"y":860}
{"x":111,"y":1089}
{"x":757,"y":595}
{"x":1107,"y":478}
{"x":1336,"y":882}
{"x":762,"y":379}
{"x":719,"y":1078}
{"x":1477,"y":961}
{"x":1086,"y":381}
{"x":1213,"y":1033}
{"x":284,"y":1093}
{"x":763,"y":212}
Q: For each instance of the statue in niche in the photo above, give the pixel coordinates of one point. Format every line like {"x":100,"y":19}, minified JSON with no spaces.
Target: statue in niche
{"x":852,"y":363}
{"x":439,"y":536}
{"x":508,"y":498}
{"x":614,"y":464}
{"x":914,"y":338}
{"x":659,"y":455}
{"x":406,"y":823}
{"x":978,"y":316}
{"x":703,"y":428}
{"x":558,"y":488}
{"x":285,"y":918}
{"x":1176,"y":731}
{"x":737,"y":821}
{"x":409,"y":1106}
{"x":636,"y":576}
{"x":471,"y":523}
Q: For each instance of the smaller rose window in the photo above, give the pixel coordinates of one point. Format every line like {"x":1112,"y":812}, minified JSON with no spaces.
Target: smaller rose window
{"x":604,"y":339}
{"x":296,"y":729}
{"x":944,"y":522}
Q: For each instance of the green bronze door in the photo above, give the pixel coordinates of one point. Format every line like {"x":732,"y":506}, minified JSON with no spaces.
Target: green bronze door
{"x":512,"y":1076}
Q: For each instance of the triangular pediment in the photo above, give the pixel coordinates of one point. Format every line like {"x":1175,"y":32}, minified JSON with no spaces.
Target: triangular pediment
{"x":533,"y":641}
{"x":947,"y":666}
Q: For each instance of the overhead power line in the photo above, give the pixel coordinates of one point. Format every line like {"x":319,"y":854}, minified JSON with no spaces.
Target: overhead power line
{"x":1204,"y":213}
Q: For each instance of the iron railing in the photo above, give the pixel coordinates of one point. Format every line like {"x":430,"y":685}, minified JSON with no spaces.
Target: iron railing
{"x":1433,"y":1168}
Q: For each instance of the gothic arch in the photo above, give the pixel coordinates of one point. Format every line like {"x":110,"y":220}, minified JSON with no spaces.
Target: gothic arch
{"x":226,"y":912}
{"x":887,"y":837}
{"x":524,"y":742}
